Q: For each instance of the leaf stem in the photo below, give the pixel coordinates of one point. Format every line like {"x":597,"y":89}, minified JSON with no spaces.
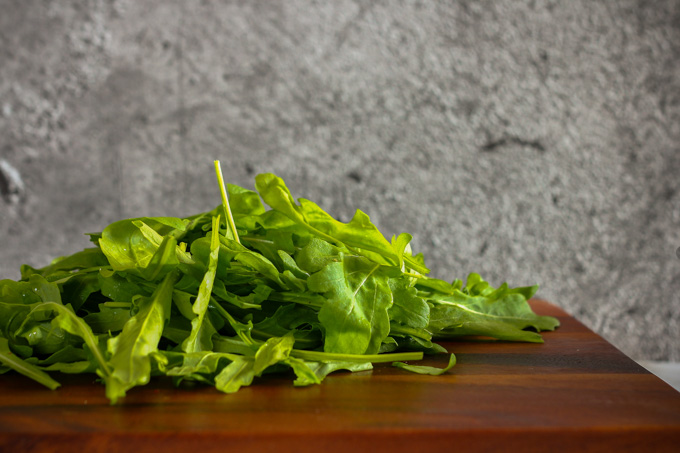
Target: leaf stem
{"x":317,"y":356}
{"x":409,"y":274}
{"x":225,"y":202}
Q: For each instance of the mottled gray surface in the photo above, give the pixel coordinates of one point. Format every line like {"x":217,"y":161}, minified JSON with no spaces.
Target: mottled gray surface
{"x":527,"y":141}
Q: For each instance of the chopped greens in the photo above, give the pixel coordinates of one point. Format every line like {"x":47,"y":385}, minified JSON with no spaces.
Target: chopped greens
{"x":225,"y":296}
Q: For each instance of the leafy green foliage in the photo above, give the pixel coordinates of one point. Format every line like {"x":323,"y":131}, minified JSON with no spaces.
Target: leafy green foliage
{"x":228,"y":295}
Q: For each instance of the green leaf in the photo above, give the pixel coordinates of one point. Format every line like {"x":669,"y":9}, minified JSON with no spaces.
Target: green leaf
{"x":304,"y":371}
{"x":416,"y":342}
{"x":79,"y":287}
{"x":252,"y":300}
{"x":299,"y":320}
{"x":140,"y":336}
{"x":81,"y":367}
{"x":47,"y":338}
{"x":355,"y":314}
{"x":19,"y":293}
{"x":401,"y":247}
{"x":268,"y":248}
{"x":67,"y":320}
{"x":309,"y":373}
{"x":422,"y":369}
{"x":67,"y":354}
{"x":133,"y":245}
{"x":252,"y":260}
{"x":85,"y":259}
{"x":201,"y":328}
{"x":408,"y":308}
{"x":10,"y":360}
{"x":46,"y":291}
{"x":117,"y":287}
{"x":434,"y":284}
{"x":108,"y":319}
{"x":245,"y":206}
{"x":503,"y":314}
{"x":291,"y":266}
{"x":237,"y":374}
{"x":316,"y":255}
{"x":234,"y":345}
{"x":242,"y":330}
{"x":242,"y":370}
{"x":273,"y":351}
{"x":244,"y":202}
{"x":200,"y":365}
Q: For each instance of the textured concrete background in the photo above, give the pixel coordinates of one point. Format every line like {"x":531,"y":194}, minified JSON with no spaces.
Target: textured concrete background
{"x":532,"y":142}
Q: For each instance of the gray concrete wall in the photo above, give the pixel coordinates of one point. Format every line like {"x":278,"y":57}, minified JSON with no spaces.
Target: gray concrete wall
{"x":532,"y":142}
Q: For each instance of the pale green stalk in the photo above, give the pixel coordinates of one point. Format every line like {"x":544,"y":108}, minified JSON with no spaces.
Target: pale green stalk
{"x":225,"y":202}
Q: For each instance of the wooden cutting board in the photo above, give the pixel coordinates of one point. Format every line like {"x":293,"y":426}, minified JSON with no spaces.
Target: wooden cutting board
{"x":575,"y":392}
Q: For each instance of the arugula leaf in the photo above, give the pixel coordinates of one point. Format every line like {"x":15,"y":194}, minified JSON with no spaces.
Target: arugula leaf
{"x":422,"y":369}
{"x":501,"y":313}
{"x":196,"y":366}
{"x":46,"y":291}
{"x":84,"y":366}
{"x":299,"y":320}
{"x":67,"y":354}
{"x":273,"y":351}
{"x":358,"y":296}
{"x":130,"y":362}
{"x":67,"y":320}
{"x":408,"y":308}
{"x":201,"y":328}
{"x":135,"y":246}
{"x":10,"y":360}
{"x":252,"y":260}
{"x":47,"y":338}
{"x":309,"y":373}
{"x":85,"y":259}
{"x":238,"y":373}
{"x":108,"y":319}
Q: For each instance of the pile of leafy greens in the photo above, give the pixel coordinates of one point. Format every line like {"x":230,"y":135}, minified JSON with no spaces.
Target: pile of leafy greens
{"x":228,"y":295}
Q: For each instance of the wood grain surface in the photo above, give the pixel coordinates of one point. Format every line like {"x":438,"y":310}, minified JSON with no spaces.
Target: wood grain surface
{"x":575,"y":392}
